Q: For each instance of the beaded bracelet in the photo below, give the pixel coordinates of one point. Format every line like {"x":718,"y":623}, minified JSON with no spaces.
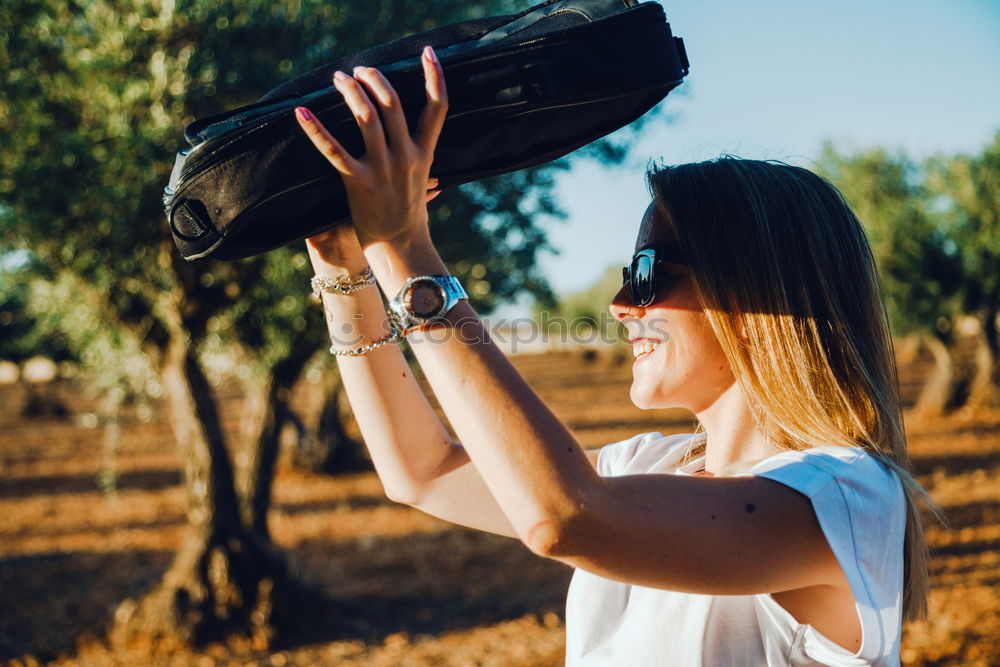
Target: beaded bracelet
{"x":342,"y":284}
{"x":364,"y":349}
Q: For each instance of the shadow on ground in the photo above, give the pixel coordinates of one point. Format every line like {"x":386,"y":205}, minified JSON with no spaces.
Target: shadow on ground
{"x":372,"y":587}
{"x":51,"y":599}
{"x":428,"y":583}
{"x":147,"y":480}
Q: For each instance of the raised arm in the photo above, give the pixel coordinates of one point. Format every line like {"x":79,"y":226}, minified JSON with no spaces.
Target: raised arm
{"x":414,"y":456}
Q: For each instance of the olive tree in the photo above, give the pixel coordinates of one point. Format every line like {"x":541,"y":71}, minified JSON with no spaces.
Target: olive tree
{"x":965,"y":192}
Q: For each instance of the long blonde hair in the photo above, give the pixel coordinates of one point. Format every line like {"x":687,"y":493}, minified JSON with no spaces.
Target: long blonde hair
{"x":789,"y":285}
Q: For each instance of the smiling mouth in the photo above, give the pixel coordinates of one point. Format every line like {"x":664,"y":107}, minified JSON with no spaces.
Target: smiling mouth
{"x":643,"y":347}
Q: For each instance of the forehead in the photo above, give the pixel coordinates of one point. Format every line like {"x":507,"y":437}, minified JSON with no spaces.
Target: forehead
{"x":654,"y":230}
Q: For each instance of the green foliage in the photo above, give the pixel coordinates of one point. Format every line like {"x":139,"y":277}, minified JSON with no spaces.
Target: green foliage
{"x":117,"y":367}
{"x":918,"y":260}
{"x":965,"y":191}
{"x":22,"y":336}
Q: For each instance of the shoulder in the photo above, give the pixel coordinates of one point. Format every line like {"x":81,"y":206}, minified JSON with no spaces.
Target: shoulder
{"x":852,"y":471}
{"x":856,"y":497}
{"x":644,"y":453}
{"x":861,"y":508}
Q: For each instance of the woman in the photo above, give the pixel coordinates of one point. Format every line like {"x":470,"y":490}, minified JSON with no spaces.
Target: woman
{"x":779,"y":535}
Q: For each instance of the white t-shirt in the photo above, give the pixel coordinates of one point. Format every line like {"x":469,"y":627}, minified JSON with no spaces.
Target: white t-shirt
{"x":861,"y":510}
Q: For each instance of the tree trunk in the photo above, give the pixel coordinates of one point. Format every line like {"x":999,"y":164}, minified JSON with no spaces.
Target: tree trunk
{"x":267,"y":410}
{"x":225,"y":579}
{"x":983,"y":389}
{"x":939,"y":387}
{"x":326,"y":448}
{"x":107,"y":478}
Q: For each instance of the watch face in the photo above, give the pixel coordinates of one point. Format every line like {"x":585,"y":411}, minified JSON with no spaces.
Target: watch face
{"x":424,"y":299}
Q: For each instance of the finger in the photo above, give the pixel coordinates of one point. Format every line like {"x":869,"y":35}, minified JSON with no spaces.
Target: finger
{"x":364,"y":112}
{"x":432,"y":183}
{"x":325,"y":143}
{"x":432,"y":119}
{"x":431,"y":195}
{"x":388,"y":99}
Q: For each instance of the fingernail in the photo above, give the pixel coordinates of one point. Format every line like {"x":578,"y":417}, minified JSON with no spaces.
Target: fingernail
{"x":355,"y":70}
{"x":429,"y":52}
{"x":303,"y":113}
{"x":339,"y":76}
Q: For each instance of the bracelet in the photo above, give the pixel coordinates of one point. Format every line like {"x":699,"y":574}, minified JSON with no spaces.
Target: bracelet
{"x":342,"y":284}
{"x":358,"y":351}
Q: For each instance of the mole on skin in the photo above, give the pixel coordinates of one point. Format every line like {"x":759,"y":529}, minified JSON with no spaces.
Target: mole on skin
{"x":750,"y":508}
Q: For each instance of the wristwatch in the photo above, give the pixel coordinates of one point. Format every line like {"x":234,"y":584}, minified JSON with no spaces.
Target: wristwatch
{"x":425,"y":299}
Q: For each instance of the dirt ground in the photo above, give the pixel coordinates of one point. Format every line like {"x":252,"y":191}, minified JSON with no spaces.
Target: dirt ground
{"x":429,"y":593}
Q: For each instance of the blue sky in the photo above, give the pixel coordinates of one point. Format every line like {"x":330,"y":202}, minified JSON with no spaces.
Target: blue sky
{"x":774,"y":79}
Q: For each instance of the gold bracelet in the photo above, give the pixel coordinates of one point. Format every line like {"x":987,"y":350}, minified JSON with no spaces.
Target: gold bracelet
{"x":342,"y":284}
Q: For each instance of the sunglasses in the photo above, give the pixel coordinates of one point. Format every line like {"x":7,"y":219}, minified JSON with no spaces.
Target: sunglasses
{"x":640,"y":275}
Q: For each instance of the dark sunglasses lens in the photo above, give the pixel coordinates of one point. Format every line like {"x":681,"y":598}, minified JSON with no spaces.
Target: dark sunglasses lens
{"x":642,"y":279}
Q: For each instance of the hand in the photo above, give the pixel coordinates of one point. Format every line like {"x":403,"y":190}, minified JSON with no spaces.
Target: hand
{"x":340,"y":246}
{"x":387,"y":188}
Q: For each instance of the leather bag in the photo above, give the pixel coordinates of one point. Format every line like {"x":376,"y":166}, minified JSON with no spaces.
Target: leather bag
{"x":523,"y":89}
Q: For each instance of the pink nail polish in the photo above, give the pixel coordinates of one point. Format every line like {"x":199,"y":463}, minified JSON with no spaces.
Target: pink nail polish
{"x":340,"y":76}
{"x":430,"y":54}
{"x":303,"y":113}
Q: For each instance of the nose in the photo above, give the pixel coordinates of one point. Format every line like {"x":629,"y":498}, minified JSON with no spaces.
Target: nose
{"x":622,"y":306}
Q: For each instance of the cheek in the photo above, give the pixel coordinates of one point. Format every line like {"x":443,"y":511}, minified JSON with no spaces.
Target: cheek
{"x":707,"y":345}
{"x":711,"y":359}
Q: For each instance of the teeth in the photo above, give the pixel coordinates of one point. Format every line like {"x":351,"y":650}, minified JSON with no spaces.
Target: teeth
{"x":642,"y":346}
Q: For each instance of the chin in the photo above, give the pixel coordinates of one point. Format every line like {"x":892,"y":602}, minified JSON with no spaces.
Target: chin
{"x":658,"y":397}
{"x":646,"y":399}
{"x":640,"y":401}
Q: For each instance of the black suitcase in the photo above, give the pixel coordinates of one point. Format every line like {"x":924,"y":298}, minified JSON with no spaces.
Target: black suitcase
{"x":522,"y":90}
